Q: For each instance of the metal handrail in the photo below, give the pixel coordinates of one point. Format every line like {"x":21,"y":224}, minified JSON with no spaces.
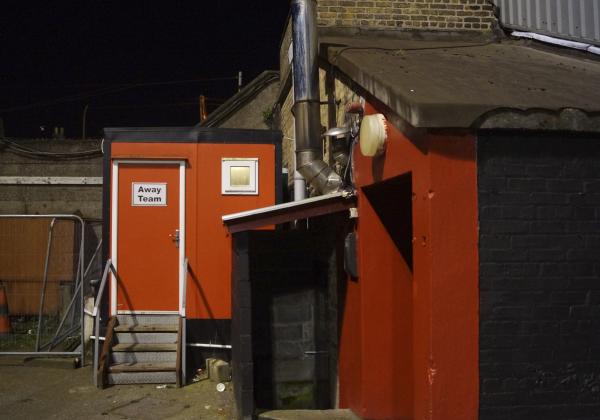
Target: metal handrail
{"x":78,"y":278}
{"x":183,"y":344}
{"x":184,"y":296}
{"x":108,"y":267}
{"x":95,"y":314}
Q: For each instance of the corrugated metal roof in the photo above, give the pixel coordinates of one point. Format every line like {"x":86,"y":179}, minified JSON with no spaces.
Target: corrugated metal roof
{"x":578,"y":20}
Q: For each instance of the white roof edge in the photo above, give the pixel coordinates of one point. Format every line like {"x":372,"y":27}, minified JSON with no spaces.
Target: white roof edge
{"x":263,"y":210}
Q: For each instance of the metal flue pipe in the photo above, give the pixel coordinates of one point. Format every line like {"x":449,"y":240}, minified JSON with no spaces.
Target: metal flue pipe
{"x":309,"y":150}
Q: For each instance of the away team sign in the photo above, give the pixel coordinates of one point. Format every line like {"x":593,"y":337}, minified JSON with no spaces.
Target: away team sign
{"x":148,"y":194}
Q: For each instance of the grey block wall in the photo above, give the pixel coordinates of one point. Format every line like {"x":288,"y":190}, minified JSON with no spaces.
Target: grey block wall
{"x":539,"y":220}
{"x":38,"y":199}
{"x":83,"y":200}
{"x":284,"y":294}
{"x":294,"y":281}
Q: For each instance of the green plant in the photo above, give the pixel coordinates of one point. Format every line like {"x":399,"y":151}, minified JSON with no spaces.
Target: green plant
{"x":268,"y":116}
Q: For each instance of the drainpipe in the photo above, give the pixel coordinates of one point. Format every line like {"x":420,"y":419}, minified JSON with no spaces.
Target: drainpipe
{"x":309,"y":149}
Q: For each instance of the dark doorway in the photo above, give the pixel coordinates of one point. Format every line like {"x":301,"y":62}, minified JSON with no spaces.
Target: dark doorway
{"x":285,"y":316}
{"x":293,"y":277}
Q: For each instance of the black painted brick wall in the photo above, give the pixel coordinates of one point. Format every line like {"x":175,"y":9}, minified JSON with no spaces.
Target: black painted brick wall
{"x":539,"y":221}
{"x":241,"y":330}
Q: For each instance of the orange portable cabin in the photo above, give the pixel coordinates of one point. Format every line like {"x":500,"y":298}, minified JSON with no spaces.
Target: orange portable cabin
{"x":165,"y":190}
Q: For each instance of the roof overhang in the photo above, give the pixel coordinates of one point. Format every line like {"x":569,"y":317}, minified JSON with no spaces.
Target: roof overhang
{"x":471,"y":84}
{"x":287,"y":212}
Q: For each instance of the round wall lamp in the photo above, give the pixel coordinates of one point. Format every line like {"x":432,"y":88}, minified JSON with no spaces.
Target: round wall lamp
{"x":373,"y":135}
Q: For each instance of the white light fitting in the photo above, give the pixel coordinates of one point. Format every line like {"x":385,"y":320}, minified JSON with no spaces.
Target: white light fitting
{"x":373,"y":135}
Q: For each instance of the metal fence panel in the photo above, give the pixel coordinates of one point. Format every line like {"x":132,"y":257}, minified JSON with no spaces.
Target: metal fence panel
{"x":43,"y":282}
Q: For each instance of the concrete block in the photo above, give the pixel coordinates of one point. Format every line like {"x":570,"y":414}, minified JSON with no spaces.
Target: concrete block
{"x":209,"y":362}
{"x":294,"y":370}
{"x":218,"y":370}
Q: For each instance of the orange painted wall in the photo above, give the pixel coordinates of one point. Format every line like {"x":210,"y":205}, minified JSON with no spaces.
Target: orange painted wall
{"x":418,"y":356}
{"x":208,"y":245}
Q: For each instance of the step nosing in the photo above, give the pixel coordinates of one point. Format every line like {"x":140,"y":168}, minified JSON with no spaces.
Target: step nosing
{"x":142,"y":367}
{"x":147,"y":328}
{"x":144,"y":347}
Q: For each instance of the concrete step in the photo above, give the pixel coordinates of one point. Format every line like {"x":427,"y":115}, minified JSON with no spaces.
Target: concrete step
{"x":148,"y":319}
{"x":147,"y":328}
{"x":169,"y":377}
{"x":142,"y":367}
{"x":143,"y":357}
{"x":308,"y":415}
{"x":144,"y":347}
{"x":146,"y":337}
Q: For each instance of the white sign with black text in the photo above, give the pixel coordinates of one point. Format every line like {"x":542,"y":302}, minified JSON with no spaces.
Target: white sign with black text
{"x":148,"y":194}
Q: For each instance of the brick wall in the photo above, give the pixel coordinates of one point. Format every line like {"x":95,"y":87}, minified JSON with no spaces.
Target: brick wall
{"x":341,"y":95}
{"x":539,"y":211}
{"x":474,"y":15}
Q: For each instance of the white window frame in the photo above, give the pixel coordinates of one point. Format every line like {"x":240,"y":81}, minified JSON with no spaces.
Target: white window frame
{"x":227,"y":188}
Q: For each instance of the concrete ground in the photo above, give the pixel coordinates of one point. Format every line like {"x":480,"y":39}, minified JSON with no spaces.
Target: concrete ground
{"x":308,"y":415}
{"x":52,"y":389}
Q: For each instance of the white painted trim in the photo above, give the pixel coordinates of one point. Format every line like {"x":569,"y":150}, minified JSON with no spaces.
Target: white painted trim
{"x":114,"y":229}
{"x":153,"y":161}
{"x":51,"y":180}
{"x":113,"y":234}
{"x":125,"y":312}
{"x":182,"y":270}
{"x":292,"y":204}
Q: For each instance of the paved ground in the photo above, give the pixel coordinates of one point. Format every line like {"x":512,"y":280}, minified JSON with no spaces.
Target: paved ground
{"x":308,"y":415}
{"x":52,"y":389}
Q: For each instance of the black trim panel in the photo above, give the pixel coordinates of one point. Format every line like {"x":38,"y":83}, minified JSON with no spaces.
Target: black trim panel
{"x":106,"y":186}
{"x":241,"y":328}
{"x":215,"y":331}
{"x":191,"y":135}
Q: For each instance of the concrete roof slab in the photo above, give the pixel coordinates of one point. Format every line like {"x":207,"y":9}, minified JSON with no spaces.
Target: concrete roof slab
{"x":462,"y":84}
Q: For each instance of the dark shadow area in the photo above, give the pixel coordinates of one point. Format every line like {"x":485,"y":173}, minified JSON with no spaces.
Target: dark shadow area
{"x":294,"y":282}
{"x":392,"y":201}
{"x":208,"y":331}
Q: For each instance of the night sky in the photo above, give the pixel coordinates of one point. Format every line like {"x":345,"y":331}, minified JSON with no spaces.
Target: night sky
{"x":133,"y":63}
